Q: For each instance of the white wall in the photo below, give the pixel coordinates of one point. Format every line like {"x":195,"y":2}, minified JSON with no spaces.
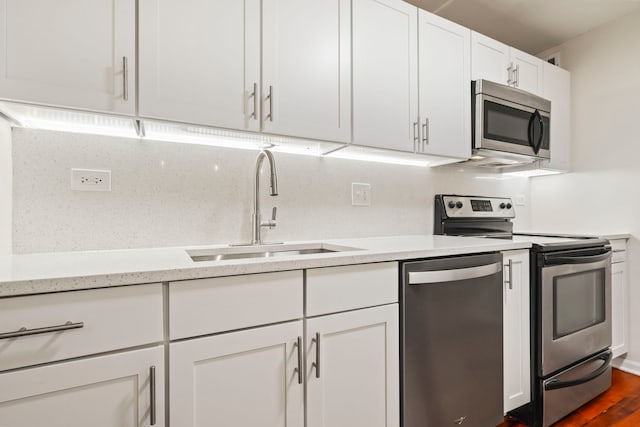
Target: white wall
{"x":6,"y":180}
{"x":601,"y":194}
{"x":167,"y":194}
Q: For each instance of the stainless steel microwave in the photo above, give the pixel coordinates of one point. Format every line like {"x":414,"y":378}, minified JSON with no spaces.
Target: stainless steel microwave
{"x":509,"y":122}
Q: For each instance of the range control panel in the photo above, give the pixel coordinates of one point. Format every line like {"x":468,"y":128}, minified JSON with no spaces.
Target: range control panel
{"x":478,"y":207}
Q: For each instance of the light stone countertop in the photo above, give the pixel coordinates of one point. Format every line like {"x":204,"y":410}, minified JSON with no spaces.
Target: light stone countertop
{"x":64,"y":271}
{"x":608,"y":236}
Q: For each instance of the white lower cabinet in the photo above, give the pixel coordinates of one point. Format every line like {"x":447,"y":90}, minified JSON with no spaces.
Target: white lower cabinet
{"x":107,"y":391}
{"x":619,"y":299}
{"x":241,"y":379}
{"x":517,"y":358}
{"x":333,"y":370}
{"x":352,"y":369}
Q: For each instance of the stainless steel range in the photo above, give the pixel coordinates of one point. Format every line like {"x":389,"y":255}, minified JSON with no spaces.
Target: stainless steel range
{"x":570,"y":305}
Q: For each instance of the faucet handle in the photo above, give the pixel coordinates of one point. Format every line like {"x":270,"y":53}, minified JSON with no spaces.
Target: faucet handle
{"x":272,"y":222}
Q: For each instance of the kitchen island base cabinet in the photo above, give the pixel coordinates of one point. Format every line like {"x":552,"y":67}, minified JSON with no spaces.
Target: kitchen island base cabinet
{"x":352,"y":369}
{"x":106,"y":391}
{"x":517,"y":359}
{"x":240,"y":379}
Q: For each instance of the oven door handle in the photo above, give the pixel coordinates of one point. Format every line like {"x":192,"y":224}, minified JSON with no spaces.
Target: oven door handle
{"x":551,"y":260}
{"x":556,"y":384}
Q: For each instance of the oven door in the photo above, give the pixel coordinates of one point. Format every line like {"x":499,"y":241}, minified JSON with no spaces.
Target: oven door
{"x":511,"y":127}
{"x":575,"y":307}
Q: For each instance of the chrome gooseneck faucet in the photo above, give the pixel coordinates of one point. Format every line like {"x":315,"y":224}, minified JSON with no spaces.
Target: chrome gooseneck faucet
{"x":258,"y":224}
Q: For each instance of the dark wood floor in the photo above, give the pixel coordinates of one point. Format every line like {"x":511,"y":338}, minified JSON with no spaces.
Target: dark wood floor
{"x":617,"y":407}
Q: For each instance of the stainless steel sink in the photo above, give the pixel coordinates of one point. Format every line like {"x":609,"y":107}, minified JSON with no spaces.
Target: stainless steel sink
{"x":264,"y":251}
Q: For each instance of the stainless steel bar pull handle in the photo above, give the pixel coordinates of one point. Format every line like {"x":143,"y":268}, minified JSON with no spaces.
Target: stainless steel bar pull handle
{"x":509,"y":71}
{"x":316,"y":364}
{"x":24,"y":331}
{"x":416,"y":137}
{"x":270,"y":98}
{"x":425,"y":132}
{"x":510,"y":280}
{"x":254,"y":95}
{"x":152,"y":386}
{"x":298,"y":370}
{"x":516,"y":80}
{"x":125,"y":78}
{"x":440,"y":276}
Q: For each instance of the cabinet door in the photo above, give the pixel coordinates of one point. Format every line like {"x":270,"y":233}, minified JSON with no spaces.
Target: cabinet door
{"x":385,"y":74}
{"x":106,"y":391}
{"x":489,"y":59}
{"x":241,"y":379}
{"x":306,"y":68}
{"x":517,"y":364}
{"x":619,"y":329}
{"x":200,"y":61}
{"x":69,"y":53}
{"x":527,"y":71}
{"x":445,"y":96}
{"x":352,"y":369}
{"x":557,"y":89}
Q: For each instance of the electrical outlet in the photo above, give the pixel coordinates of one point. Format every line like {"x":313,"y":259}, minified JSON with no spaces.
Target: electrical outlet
{"x":360,"y":194}
{"x":90,"y":180}
{"x":520,"y":200}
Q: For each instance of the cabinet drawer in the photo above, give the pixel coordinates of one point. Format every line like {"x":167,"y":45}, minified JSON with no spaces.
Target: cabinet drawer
{"x":207,"y":306}
{"x":107,"y":319}
{"x":334,"y":289}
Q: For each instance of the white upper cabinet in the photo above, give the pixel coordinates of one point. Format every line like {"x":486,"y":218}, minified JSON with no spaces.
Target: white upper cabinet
{"x":306,"y":68}
{"x":495,"y":61}
{"x":385,"y":74}
{"x":69,"y":53}
{"x":200,"y":61}
{"x":445,"y":93}
{"x":527,"y":72}
{"x":489,"y":59}
{"x":557,"y":89}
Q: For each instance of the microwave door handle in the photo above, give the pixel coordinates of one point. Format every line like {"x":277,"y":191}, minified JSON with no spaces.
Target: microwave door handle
{"x":540,"y":138}
{"x":551,"y":260}
{"x":556,"y":384}
{"x":531,"y":133}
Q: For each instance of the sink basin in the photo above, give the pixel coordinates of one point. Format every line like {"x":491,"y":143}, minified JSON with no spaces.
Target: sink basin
{"x":264,"y":251}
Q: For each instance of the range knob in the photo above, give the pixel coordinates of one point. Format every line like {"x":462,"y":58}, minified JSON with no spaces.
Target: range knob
{"x":508,"y":205}
{"x":452,"y":205}
{"x":502,"y":206}
{"x":458,"y":205}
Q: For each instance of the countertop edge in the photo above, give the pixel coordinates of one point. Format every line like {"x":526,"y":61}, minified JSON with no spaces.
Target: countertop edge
{"x":220,"y":269}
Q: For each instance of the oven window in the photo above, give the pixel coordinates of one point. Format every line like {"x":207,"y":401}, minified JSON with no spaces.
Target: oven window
{"x":578,"y":302}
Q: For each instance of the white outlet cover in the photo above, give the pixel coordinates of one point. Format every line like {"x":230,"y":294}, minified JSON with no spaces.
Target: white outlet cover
{"x":520,"y":200}
{"x":90,"y":180}
{"x":360,"y":194}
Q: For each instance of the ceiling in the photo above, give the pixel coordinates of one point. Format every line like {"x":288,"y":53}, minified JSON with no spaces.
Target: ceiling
{"x":530,"y":25}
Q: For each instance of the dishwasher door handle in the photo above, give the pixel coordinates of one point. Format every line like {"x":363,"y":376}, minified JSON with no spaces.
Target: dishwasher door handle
{"x":440,"y":276}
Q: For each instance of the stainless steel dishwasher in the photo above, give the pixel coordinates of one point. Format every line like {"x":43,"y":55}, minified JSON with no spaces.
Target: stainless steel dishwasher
{"x":451,"y":341}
